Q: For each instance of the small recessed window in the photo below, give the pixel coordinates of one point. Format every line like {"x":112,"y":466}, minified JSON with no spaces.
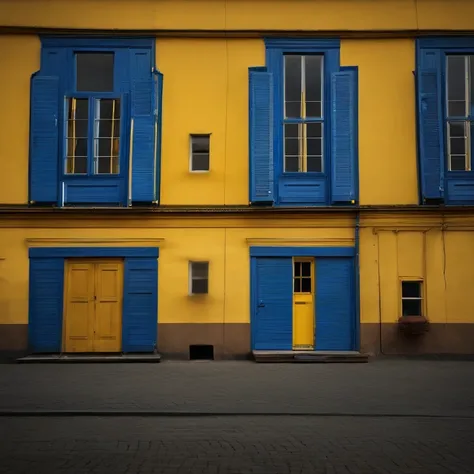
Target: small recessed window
{"x":199,"y":278}
{"x":200,"y":149}
{"x":412,"y":298}
{"x":95,"y":72}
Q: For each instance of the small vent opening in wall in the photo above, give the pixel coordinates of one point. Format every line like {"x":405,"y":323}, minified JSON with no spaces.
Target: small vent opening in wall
{"x":201,"y":352}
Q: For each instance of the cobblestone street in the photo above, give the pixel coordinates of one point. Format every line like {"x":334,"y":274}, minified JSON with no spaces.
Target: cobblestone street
{"x":410,"y":417}
{"x":398,"y":387}
{"x":241,"y":445}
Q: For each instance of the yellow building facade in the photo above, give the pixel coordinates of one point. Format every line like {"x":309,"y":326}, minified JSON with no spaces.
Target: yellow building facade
{"x":164,"y":243}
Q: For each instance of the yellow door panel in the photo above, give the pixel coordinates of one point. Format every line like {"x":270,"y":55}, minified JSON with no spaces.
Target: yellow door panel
{"x":303,"y":304}
{"x":93,"y":306}
{"x":79,"y":306}
{"x":108,"y":307}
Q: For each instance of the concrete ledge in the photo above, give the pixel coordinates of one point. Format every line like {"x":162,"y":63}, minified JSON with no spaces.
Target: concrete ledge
{"x":86,"y":359}
{"x":309,"y":356}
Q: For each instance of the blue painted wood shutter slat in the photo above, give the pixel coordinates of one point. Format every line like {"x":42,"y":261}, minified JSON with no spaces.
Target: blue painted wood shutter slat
{"x":344,"y":140}
{"x":44,"y":139}
{"x":430,"y":130}
{"x":143,"y":114}
{"x":46,"y":304}
{"x":261,"y":135}
{"x":335,"y":304}
{"x":272,"y":322}
{"x":140,"y":305}
{"x":158,"y":83}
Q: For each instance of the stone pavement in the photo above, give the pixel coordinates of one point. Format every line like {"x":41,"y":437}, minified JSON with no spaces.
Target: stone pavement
{"x":383,"y":387}
{"x":236,"y":445}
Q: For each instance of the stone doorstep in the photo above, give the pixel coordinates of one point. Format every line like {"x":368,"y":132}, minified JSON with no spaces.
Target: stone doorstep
{"x":310,"y":356}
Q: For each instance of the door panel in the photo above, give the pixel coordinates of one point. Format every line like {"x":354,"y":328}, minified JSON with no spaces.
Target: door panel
{"x":108,"y":307}
{"x":79,"y":327}
{"x":335,"y":308}
{"x":303,"y":304}
{"x":93,"y":311}
{"x":272,"y":320}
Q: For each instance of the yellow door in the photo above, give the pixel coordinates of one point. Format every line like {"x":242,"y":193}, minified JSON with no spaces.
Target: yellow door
{"x":303,"y":304}
{"x":93,"y":309}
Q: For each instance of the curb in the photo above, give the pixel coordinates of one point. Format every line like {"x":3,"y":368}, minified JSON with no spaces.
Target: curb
{"x":185,"y":414}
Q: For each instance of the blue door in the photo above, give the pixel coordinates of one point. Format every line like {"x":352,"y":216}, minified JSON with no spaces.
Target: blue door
{"x":335,"y":315}
{"x":272,"y":280}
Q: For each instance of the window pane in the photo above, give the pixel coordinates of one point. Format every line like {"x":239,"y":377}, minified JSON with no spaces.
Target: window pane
{"x":292,"y":164}
{"x":292,"y":65}
{"x":306,"y":285}
{"x":458,"y":146}
{"x":314,"y":84}
{"x":297,"y":268}
{"x":314,"y":147}
{"x":306,"y":268}
{"x":200,"y":270}
{"x":297,"y":285}
{"x":314,"y":130}
{"x":200,"y":144}
{"x":471,"y":83}
{"x":95,"y":72}
{"x":456,"y":77}
{"x":292,"y":146}
{"x":200,"y":162}
{"x":458,"y":163}
{"x":199,"y":287}
{"x":457,"y":129}
{"x":77,"y":132}
{"x":456,"y":66}
{"x":411,"y":308}
{"x":107,"y":136}
{"x":314,"y":164}
{"x":411,"y":289}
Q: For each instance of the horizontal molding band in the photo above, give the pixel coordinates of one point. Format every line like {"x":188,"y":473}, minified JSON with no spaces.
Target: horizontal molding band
{"x":222,"y":33}
{"x":41,"y":242}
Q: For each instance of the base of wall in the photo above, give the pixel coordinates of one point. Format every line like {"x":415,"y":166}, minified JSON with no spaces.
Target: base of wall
{"x":232,"y":340}
{"x":440,"y":339}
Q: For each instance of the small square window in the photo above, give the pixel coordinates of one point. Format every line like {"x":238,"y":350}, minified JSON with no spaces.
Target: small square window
{"x":412,"y":298}
{"x":199,"y":278}
{"x":200,"y":151}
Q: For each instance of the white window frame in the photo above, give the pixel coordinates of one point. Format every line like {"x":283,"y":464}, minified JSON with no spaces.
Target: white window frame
{"x":192,"y":277}
{"x":421,"y":298}
{"x":196,"y":135}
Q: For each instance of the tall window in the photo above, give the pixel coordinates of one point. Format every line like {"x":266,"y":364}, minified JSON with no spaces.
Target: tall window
{"x":93,"y":117}
{"x":460,"y":111}
{"x":303,"y":113}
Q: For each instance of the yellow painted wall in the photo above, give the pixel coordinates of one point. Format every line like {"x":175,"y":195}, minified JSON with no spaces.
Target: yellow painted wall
{"x":387,"y":125}
{"x":321,"y":15}
{"x":19,"y":58}
{"x":224,"y":243}
{"x":417,"y":248}
{"x":206,"y":91}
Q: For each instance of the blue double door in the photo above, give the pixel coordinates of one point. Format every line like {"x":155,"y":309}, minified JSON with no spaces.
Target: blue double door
{"x":273,"y":303}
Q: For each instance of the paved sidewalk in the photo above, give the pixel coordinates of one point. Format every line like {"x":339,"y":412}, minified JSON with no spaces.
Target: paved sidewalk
{"x":397,"y":387}
{"x":242,"y":445}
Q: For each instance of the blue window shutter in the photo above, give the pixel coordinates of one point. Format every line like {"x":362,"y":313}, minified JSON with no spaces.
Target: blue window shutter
{"x":430,"y":133}
{"x":261,"y":135}
{"x":335,"y":304}
{"x":159,"y":121}
{"x":46,"y":304}
{"x":44,"y":139}
{"x":144,"y":118}
{"x":272,"y":314}
{"x":140,"y":305}
{"x":344,"y":140}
